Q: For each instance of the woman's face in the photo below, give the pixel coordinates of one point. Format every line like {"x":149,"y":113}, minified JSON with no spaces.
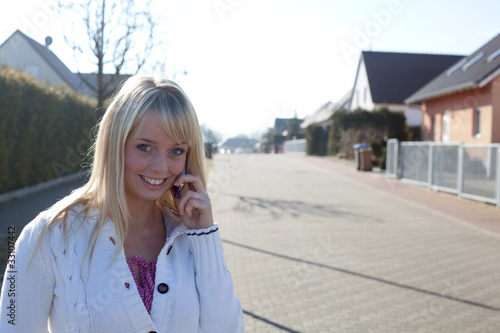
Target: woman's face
{"x":152,"y":160}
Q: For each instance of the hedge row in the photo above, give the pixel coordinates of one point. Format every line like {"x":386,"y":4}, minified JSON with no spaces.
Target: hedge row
{"x":44,"y":130}
{"x":362,"y":126}
{"x":359,"y":126}
{"x":317,"y":140}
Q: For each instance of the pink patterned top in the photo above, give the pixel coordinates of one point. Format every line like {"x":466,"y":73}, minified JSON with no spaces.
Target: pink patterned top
{"x":147,"y":273}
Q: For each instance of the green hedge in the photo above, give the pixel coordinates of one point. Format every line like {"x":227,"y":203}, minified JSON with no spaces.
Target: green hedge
{"x":44,"y":130}
{"x":316,"y":140}
{"x":361,"y":126}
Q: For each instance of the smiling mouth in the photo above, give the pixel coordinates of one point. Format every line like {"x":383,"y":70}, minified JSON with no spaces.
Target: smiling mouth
{"x":153,"y":181}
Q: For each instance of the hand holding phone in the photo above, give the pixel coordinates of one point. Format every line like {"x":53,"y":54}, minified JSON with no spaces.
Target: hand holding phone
{"x":194,"y":206}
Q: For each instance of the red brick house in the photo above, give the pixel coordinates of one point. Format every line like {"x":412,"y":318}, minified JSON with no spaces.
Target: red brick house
{"x":462,"y":104}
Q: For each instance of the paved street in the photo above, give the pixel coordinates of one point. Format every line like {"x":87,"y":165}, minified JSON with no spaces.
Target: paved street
{"x":20,"y":211}
{"x":314,"y":246}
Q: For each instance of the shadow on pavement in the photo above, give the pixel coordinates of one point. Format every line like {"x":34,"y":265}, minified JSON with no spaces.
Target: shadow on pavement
{"x":279,"y":209}
{"x":364,"y":276}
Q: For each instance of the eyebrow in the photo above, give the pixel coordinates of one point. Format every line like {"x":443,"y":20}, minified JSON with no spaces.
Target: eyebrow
{"x":153,"y":141}
{"x":146,"y":140}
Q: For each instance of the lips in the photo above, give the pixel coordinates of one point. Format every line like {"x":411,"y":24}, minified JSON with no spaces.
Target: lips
{"x":153,"y":181}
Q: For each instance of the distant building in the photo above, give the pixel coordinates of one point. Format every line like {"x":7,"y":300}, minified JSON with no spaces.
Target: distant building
{"x":462,"y":104}
{"x":322,"y":116}
{"x":281,"y":126}
{"x":25,"y":54}
{"x":238,"y":145}
{"x":386,"y":79}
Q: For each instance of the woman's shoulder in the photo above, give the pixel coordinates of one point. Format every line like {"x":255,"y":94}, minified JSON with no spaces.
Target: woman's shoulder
{"x":37,"y":228}
{"x":51,"y":219}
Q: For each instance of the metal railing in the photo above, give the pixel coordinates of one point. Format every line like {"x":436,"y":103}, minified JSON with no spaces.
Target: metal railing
{"x":298,"y":146}
{"x":469,"y":170}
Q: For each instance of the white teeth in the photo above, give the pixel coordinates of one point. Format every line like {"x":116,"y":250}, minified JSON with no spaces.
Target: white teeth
{"x":153,"y":181}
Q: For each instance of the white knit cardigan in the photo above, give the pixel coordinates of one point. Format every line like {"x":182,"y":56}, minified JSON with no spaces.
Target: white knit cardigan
{"x":59,"y":294}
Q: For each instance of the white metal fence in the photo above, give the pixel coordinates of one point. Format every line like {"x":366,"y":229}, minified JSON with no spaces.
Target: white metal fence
{"x":468,"y":170}
{"x":298,"y":146}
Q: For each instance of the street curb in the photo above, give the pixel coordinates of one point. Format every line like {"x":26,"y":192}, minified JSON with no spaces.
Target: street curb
{"x":22,"y":192}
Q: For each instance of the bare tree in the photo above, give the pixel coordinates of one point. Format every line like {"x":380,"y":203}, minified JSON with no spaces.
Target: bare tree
{"x":119,"y":36}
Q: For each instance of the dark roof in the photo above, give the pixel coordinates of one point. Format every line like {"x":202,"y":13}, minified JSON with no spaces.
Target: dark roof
{"x":473,"y":71}
{"x":281,"y":125}
{"x":395,"y":76}
{"x":57,"y":65}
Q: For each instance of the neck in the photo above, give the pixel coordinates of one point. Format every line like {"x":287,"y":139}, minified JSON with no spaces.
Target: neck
{"x":143,"y":215}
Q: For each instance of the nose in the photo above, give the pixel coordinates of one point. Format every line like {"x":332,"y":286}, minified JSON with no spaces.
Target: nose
{"x":159,"y":164}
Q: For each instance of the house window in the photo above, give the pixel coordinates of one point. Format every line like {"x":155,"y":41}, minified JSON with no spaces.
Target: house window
{"x":433,"y":127}
{"x":445,"y":136}
{"x":477,"y":123}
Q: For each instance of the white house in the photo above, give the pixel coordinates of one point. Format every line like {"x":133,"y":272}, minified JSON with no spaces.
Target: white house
{"x":322,"y":116}
{"x":386,"y":79}
{"x":23,"y":53}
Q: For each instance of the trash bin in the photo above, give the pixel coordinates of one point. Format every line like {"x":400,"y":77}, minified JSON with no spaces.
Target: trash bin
{"x":357,"y":159}
{"x":365,"y":159}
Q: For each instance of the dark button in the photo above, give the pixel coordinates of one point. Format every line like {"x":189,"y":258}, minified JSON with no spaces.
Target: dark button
{"x":169,"y":249}
{"x":162,"y":288}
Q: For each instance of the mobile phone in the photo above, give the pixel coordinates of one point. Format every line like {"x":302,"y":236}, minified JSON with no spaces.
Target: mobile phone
{"x":181,"y":187}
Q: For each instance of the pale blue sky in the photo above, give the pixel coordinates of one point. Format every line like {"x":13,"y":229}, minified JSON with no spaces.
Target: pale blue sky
{"x":250,"y":61}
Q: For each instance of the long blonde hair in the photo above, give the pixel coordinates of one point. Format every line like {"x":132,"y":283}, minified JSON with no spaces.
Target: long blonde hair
{"x":105,"y":190}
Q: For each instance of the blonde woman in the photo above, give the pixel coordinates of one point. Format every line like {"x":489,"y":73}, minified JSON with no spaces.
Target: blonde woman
{"x":133,"y":250}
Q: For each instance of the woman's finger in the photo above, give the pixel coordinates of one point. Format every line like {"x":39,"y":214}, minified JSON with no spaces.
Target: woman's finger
{"x":199,"y":200}
{"x":193,"y":180}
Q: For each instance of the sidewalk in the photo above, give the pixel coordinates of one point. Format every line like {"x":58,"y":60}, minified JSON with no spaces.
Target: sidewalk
{"x":315,"y":246}
{"x":480,"y":214}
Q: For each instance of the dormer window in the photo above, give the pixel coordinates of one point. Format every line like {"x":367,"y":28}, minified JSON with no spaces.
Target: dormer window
{"x":493,"y":56}
{"x":456,"y":67}
{"x":472,"y":61}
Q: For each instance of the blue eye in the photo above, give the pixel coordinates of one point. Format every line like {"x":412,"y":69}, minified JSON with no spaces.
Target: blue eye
{"x":144,"y":148}
{"x":177,"y":151}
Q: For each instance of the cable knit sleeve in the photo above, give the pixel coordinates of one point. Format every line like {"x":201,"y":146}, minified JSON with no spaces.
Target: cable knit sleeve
{"x":28,"y":289}
{"x":220,"y":310}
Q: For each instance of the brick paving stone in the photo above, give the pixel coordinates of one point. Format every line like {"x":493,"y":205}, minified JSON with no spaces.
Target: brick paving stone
{"x":314,"y":247}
